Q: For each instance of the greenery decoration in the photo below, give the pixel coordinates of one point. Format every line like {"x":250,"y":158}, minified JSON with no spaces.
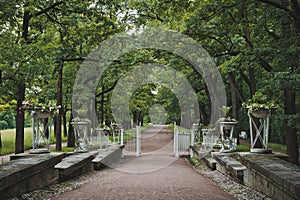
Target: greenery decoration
{"x":39,"y":107}
{"x":260,"y":102}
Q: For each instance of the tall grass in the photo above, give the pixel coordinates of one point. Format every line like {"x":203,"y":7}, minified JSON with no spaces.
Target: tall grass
{"x":8,"y":137}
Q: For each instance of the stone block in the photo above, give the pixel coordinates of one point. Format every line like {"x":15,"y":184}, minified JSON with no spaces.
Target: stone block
{"x":75,"y":165}
{"x":275,"y":177}
{"x":210,"y":162}
{"x":28,"y":173}
{"x":227,"y":164}
{"x":107,"y":158}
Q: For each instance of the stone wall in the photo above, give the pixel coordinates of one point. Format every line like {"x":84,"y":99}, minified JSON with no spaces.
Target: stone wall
{"x":29,"y":173}
{"x":275,"y":177}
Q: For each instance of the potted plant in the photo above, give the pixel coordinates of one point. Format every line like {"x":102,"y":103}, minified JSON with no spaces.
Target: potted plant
{"x":227,"y":121}
{"x":40,"y":110}
{"x":260,"y":106}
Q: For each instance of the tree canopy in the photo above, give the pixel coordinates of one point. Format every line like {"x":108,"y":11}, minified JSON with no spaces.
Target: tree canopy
{"x":255,"y":44}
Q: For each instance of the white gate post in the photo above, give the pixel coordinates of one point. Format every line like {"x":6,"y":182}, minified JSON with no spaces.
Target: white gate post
{"x":33,"y":134}
{"x":192,"y":143}
{"x":174,"y":137}
{"x":122,"y":135}
{"x":138,"y":140}
{"x":176,"y":142}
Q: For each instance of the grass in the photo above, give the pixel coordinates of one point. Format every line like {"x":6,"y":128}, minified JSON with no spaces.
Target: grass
{"x":276,"y":146}
{"x":180,"y":128}
{"x":65,"y":149}
{"x":8,"y":137}
{"x":130,"y":133}
{"x":242,"y":148}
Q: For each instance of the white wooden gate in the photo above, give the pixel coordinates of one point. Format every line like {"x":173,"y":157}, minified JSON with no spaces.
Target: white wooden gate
{"x":182,"y":142}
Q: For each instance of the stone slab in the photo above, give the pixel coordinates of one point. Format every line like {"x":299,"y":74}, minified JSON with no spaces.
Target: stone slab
{"x":28,"y":173}
{"x":282,"y":175}
{"x":229,"y":165}
{"x":210,"y":162}
{"x":75,"y":165}
{"x":107,"y":158}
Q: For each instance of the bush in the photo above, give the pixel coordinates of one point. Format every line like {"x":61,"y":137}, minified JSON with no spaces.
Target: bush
{"x":9,"y":118}
{"x":3,"y":125}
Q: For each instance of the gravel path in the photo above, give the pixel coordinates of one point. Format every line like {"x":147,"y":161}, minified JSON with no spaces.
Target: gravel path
{"x":177,"y":181}
{"x":156,"y":174}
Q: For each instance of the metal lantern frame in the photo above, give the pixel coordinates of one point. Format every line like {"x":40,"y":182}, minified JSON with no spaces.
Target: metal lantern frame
{"x":209,"y":139}
{"x":81,"y":129}
{"x":229,"y":142}
{"x":116,"y":130}
{"x":102,"y":138}
{"x":40,"y":130}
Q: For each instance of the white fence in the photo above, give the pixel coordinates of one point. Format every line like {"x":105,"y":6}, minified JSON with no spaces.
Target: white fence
{"x":138,"y":141}
{"x":182,"y":142}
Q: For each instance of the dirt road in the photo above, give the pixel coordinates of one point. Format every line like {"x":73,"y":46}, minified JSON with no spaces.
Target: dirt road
{"x":156,"y":174}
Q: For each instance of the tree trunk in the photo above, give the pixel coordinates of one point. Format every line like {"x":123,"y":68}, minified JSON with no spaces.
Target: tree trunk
{"x":19,"y":142}
{"x":141,"y":117}
{"x":59,"y":103}
{"x":64,"y":114}
{"x":0,"y":141}
{"x":71,"y":136}
{"x":290,"y":96}
{"x":291,"y":133}
{"x":234,"y":108}
{"x":102,"y":107}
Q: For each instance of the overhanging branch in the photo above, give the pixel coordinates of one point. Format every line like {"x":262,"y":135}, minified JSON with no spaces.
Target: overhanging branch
{"x":107,"y":90}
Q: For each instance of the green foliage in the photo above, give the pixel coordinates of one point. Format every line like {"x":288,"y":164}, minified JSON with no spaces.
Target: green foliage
{"x":261,"y":101}
{"x":8,"y":140}
{"x":242,"y":148}
{"x":7,"y":120}
{"x":255,"y":45}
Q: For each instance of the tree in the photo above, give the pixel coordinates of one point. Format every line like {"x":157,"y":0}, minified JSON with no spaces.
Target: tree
{"x":51,"y":35}
{"x":248,"y":42}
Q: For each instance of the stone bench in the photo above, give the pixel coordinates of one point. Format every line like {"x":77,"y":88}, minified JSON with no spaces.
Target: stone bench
{"x":28,"y":173}
{"x":230,"y":166}
{"x":75,"y":165}
{"x":108,"y":157}
{"x":210,"y":162}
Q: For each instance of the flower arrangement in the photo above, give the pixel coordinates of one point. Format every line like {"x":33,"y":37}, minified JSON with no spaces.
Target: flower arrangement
{"x":260,"y":102}
{"x":39,"y":107}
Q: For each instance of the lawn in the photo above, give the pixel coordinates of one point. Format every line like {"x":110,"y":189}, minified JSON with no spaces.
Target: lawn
{"x":8,"y":140}
{"x":8,"y":137}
